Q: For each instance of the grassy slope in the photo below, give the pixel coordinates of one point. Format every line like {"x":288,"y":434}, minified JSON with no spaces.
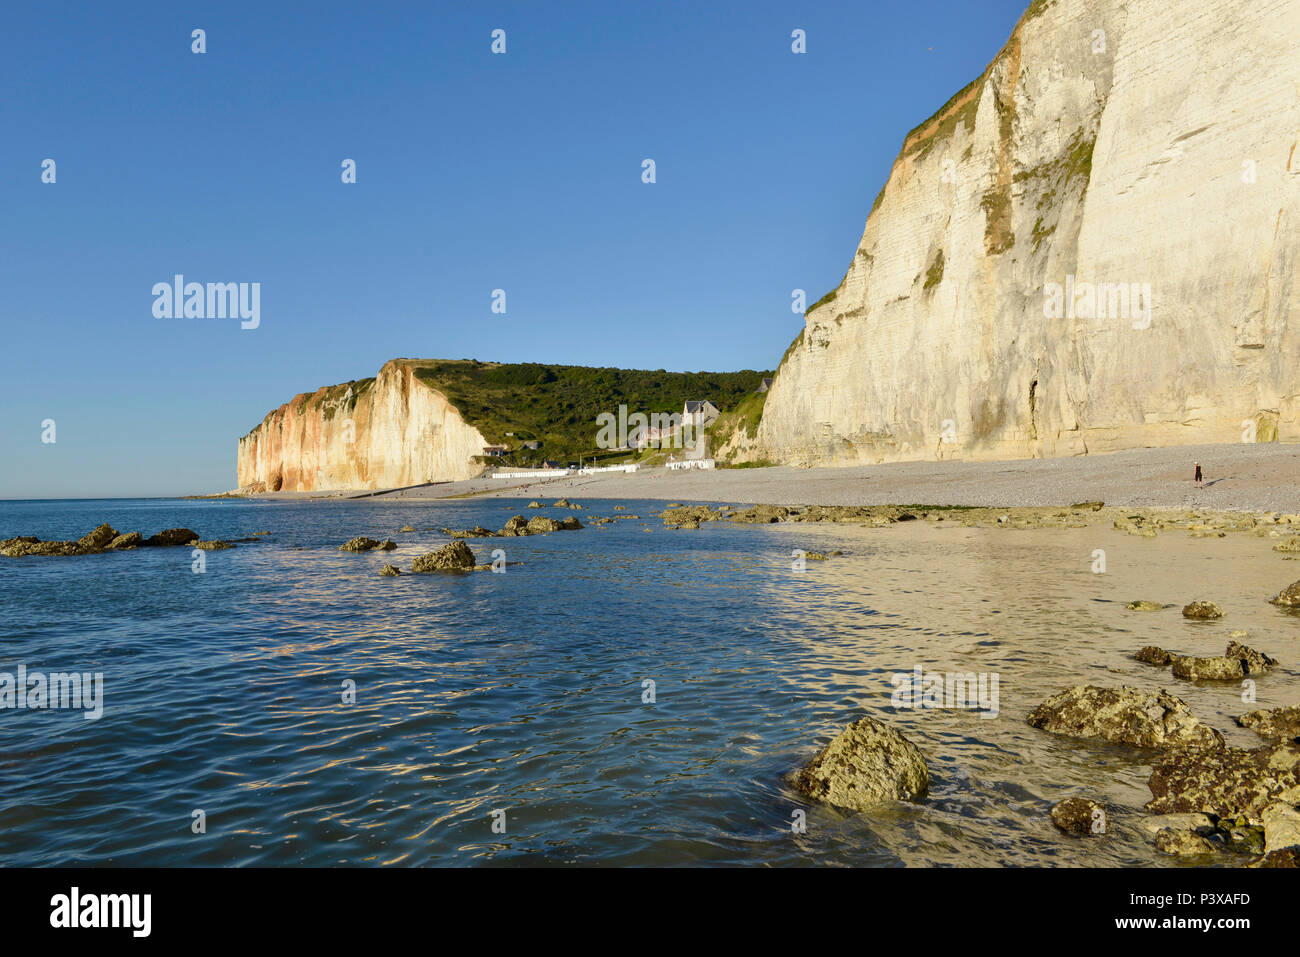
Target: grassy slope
{"x":559,"y":404}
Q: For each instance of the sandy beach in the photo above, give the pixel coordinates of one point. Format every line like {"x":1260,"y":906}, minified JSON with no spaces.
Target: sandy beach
{"x":1238,"y":477}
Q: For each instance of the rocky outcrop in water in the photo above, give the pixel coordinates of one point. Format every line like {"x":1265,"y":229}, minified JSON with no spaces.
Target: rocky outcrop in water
{"x":1202,"y":611}
{"x":454,"y":557}
{"x":1075,"y":159}
{"x":1279,"y":724}
{"x":1124,"y":716}
{"x":1288,"y":597}
{"x":1231,"y":783}
{"x":363,"y":544}
{"x":1080,"y":817}
{"x":1237,"y":662}
{"x":867,"y":764}
{"x":103,"y":538}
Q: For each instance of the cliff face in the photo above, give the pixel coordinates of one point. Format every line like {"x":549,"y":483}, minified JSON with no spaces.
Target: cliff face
{"x":385,"y":432}
{"x":1136,"y":142}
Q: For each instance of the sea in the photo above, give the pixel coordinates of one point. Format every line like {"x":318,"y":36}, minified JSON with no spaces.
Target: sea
{"x":623,"y":694}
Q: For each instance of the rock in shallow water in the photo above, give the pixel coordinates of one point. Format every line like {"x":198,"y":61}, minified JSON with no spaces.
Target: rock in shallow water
{"x":1183,"y":843}
{"x":867,"y":764}
{"x":1279,"y":724}
{"x":1288,"y":597}
{"x":390,"y":571}
{"x":1145,"y":606}
{"x":1202,"y":611}
{"x":1226,"y":782}
{"x":1152,"y":655}
{"x":1080,"y":817}
{"x":99,"y":538}
{"x":454,"y":557}
{"x":1124,"y":716}
{"x":172,"y":536}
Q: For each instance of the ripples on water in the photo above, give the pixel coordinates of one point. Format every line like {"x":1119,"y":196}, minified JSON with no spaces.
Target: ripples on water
{"x":523,"y":691}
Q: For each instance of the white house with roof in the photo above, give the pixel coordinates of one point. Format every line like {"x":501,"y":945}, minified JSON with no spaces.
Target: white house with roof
{"x":700,"y":413}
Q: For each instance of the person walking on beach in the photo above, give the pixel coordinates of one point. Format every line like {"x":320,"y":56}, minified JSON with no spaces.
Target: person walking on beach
{"x":1197,"y":476}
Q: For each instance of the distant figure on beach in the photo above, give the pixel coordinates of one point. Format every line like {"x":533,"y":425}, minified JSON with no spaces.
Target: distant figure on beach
{"x":1197,"y":476}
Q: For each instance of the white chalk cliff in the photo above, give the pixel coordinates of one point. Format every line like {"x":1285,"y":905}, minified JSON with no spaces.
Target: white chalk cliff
{"x":1149,"y":143}
{"x":387,"y":432}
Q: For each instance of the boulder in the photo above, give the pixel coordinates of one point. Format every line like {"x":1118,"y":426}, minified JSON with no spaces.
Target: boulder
{"x":570,"y":524}
{"x":1281,"y":827}
{"x":390,"y":570}
{"x":172,"y":536}
{"x":453,"y":557}
{"x":561,"y":503}
{"x":99,"y":537}
{"x":1287,"y":857}
{"x":1280,"y":724}
{"x":213,"y":546}
{"x":478,"y":531}
{"x":1198,"y":823}
{"x":359,"y":544}
{"x":24,"y":546}
{"x":1183,"y":843}
{"x":1288,"y":597}
{"x":1152,"y":655}
{"x":1207,"y":669}
{"x":387,"y":545}
{"x":1253,"y":662}
{"x":515,"y":525}
{"x":1080,"y":817}
{"x":128,"y":540}
{"x":1145,"y":606}
{"x":866,"y":764}
{"x":535,"y":505}
{"x":1292,"y":544}
{"x":404,"y":528}
{"x":1226,"y":782}
{"x":540,"y":523}
{"x":1124,"y":716}
{"x":1202,"y":611}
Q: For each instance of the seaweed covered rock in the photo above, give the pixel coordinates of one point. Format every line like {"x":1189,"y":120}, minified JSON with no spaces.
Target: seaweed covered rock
{"x":866,"y":764}
{"x":99,"y":537}
{"x":1153,"y":655}
{"x":540,"y":523}
{"x":1080,"y":817}
{"x":1233,"y":783}
{"x":390,"y":571}
{"x":454,"y":557}
{"x":126,"y":542}
{"x":215,"y":545}
{"x":1202,"y":611}
{"x":1124,"y":716}
{"x":1288,"y":597}
{"x":1279,"y":724}
{"x":516,"y":525}
{"x":1141,"y":605}
{"x":359,"y":544}
{"x":172,"y":536}
{"x":1235,"y":663}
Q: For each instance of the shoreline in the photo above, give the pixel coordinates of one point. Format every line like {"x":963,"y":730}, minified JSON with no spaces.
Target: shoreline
{"x":1238,"y":478}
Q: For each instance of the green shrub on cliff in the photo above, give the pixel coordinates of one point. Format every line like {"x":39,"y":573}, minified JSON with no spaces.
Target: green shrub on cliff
{"x":558,"y":405}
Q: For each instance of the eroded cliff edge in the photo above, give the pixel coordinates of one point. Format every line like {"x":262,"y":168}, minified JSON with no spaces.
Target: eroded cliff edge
{"x":1135,"y":142}
{"x":386,"y":432}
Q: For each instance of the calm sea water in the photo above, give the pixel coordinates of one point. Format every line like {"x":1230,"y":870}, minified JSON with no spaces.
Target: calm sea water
{"x":523,"y":692}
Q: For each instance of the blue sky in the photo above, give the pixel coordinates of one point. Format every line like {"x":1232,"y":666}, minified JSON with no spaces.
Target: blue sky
{"x":475,"y":172}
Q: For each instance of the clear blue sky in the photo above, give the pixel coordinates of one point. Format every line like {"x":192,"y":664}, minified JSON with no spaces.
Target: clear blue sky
{"x":475,"y":172}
